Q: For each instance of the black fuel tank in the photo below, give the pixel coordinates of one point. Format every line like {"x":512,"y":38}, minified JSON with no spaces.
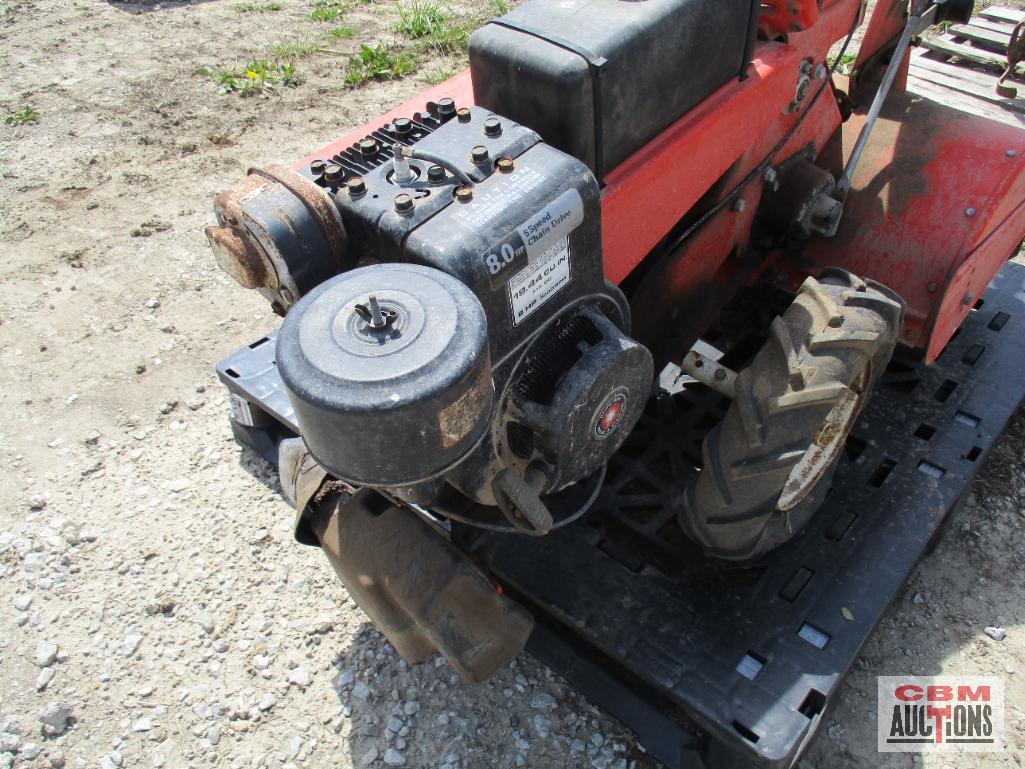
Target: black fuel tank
{"x":600,"y":78}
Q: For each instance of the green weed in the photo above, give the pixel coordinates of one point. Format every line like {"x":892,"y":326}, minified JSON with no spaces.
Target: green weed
{"x":23,"y":116}
{"x":378,"y":63}
{"x":846,"y":63}
{"x":500,"y":7}
{"x":342,"y":32}
{"x":420,"y":18}
{"x":258,"y":75}
{"x":296,"y":49}
{"x":257,"y":7}
{"x":435,"y":32}
{"x":328,"y":10}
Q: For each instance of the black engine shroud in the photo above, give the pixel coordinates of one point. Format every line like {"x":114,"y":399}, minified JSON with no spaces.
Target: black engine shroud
{"x":498,"y":363}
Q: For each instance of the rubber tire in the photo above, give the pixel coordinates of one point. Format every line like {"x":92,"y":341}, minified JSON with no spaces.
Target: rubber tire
{"x":838,"y":333}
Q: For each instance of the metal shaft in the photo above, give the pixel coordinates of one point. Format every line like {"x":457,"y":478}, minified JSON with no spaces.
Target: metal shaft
{"x":914,"y":26}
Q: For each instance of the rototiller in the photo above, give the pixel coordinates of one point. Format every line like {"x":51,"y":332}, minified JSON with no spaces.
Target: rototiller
{"x":488,"y":291}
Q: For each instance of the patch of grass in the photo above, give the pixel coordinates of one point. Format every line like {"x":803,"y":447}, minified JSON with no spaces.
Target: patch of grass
{"x":432,"y":28}
{"x":328,"y":10}
{"x":258,"y":75}
{"x":378,"y":63}
{"x":342,"y":32}
{"x":258,"y":7}
{"x":296,"y":49}
{"x":420,"y":18}
{"x":24,"y":116}
{"x":439,"y":77}
{"x":500,"y":7}
{"x":451,"y":38}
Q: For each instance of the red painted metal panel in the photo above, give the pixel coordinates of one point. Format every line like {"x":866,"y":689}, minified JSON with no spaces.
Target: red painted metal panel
{"x":884,"y":26}
{"x":932,"y":187}
{"x":780,"y":17}
{"x":972,"y":277}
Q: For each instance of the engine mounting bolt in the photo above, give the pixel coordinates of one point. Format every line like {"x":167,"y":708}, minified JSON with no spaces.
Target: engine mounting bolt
{"x":969,"y":212}
{"x":464,"y":194}
{"x":436,"y":174}
{"x":368,"y":146}
{"x":333,"y":174}
{"x":446,"y":107}
{"x":403,"y":203}
{"x":464,"y":115}
{"x":403,"y":125}
{"x":479,"y":154}
{"x":820,"y":71}
{"x":357,"y":187}
{"x":966,"y":299}
{"x":492,"y":127}
{"x":739,"y":205}
{"x":932,"y":287}
{"x":1012,"y":153}
{"x":317,"y":167}
{"x":505,"y":165}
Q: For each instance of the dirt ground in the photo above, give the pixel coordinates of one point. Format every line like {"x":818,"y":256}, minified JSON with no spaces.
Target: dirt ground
{"x":148,"y":580}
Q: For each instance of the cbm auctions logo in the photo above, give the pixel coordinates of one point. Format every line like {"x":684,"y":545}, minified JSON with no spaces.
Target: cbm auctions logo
{"x":940,"y":713}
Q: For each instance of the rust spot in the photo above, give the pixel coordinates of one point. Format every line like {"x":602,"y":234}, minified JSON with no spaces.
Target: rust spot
{"x":318,"y":203}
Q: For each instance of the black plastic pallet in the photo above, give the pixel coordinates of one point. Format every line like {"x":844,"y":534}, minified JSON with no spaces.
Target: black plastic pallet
{"x":715,"y":666}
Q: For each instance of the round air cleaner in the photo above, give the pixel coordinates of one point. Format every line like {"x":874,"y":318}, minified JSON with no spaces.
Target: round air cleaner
{"x":389,"y":373}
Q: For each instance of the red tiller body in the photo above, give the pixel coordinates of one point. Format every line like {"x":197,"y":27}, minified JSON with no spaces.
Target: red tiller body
{"x":937,"y":203}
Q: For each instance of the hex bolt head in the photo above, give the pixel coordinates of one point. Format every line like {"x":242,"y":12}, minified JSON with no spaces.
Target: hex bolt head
{"x":932,"y":287}
{"x":403,"y":203}
{"x":368,"y":146}
{"x":333,"y":174}
{"x":492,"y":127}
{"x":357,"y":187}
{"x":1012,"y":153}
{"x":403,"y":125}
{"x":969,"y":212}
{"x":464,"y":115}
{"x":505,"y":165}
{"x":966,"y":299}
{"x":464,"y":194}
{"x":480,"y":154}
{"x":317,"y":167}
{"x":739,"y":205}
{"x":446,"y":107}
{"x":820,"y":71}
{"x":436,"y":174}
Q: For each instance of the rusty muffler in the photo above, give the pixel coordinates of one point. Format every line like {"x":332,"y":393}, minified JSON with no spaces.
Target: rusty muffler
{"x":421,"y":591}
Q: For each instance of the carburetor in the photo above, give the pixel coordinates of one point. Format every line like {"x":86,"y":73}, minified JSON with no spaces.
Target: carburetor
{"x":461,"y":349}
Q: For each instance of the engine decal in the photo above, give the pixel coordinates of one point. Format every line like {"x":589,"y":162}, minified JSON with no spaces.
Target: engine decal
{"x":556,"y":220}
{"x":539,"y":281}
{"x":533,"y":238}
{"x":610,"y":415}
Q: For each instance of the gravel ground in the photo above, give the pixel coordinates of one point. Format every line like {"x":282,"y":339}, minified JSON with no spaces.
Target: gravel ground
{"x":155,"y":611}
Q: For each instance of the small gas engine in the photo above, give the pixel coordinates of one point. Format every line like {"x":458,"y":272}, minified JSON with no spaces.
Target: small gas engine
{"x":449,"y":332}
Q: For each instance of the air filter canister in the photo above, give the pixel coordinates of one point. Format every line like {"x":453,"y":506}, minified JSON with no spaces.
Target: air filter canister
{"x":389,"y":373}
